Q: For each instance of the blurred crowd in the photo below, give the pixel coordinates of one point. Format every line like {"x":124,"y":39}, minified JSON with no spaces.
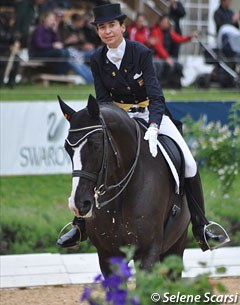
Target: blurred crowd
{"x":60,"y":33}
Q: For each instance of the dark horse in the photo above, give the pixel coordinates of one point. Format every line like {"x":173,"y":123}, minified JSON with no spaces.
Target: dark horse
{"x":124,"y":194}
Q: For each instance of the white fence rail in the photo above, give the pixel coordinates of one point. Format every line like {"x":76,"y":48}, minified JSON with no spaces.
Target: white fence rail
{"x":58,"y":269}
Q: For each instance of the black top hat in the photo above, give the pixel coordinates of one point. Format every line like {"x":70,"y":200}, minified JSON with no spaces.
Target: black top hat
{"x":108,"y":12}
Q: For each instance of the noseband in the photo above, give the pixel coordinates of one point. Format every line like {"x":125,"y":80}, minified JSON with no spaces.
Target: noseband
{"x":100,"y":178}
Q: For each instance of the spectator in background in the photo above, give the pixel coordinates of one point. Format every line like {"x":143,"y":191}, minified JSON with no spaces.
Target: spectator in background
{"x":46,"y":43}
{"x":27,"y":14}
{"x":9,"y":48}
{"x":77,"y":38}
{"x":162,"y":39}
{"x":176,"y":12}
{"x":59,"y":15}
{"x":74,"y":34}
{"x":228,"y":41}
{"x":29,"y":11}
{"x":139,"y":31}
{"x":224,"y":15}
{"x":90,"y":31}
{"x":50,"y":5}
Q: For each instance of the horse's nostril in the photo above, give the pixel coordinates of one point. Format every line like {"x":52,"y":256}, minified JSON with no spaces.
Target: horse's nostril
{"x":86,"y":203}
{"x":84,"y":207}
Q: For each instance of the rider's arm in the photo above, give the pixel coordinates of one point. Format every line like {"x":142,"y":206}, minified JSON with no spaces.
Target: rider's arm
{"x":153,"y":89}
{"x":102,"y":94}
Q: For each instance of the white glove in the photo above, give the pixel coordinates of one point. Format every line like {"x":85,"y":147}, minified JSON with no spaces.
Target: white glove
{"x":151,"y":135}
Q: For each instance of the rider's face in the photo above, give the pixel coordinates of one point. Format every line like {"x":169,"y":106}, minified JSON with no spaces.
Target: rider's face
{"x":111,"y":33}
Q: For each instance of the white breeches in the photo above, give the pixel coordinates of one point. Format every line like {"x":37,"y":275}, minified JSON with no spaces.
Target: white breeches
{"x":168,"y":128}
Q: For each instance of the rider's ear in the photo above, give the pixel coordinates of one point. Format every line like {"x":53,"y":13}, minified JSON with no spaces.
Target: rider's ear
{"x":93,"y":107}
{"x":67,"y":111}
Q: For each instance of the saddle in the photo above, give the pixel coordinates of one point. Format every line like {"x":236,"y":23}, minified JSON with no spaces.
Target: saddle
{"x":172,"y":154}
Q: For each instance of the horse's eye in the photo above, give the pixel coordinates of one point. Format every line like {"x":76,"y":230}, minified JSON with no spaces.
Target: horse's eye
{"x":94,"y":143}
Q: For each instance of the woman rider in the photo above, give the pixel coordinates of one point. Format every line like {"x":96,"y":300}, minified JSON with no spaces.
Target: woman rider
{"x":123,"y":73}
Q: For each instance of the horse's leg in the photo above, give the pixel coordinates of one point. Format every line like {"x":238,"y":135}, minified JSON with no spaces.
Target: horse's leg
{"x":177,"y":248}
{"x":150,"y":257}
{"x":104,"y":263}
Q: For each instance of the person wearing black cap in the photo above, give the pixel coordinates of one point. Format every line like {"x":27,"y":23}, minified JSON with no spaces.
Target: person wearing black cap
{"x":123,"y":73}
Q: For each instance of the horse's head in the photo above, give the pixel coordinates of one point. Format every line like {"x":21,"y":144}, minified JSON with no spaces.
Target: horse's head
{"x":84,"y":145}
{"x":102,"y":147}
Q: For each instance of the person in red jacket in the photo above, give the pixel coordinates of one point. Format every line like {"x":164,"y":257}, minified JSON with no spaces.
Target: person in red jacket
{"x":163,"y":40}
{"x":162,"y":36}
{"x":139,"y":31}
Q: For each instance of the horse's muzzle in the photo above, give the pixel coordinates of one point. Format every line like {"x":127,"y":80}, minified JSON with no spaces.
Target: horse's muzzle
{"x":85,"y":208}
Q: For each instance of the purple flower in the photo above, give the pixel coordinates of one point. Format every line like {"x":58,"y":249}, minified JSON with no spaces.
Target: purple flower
{"x":113,"y":281}
{"x":98,"y":278}
{"x":86,"y":294}
{"x":119,"y":297}
{"x":116,"y":260}
{"x":125,"y":271}
{"x":109,"y":295}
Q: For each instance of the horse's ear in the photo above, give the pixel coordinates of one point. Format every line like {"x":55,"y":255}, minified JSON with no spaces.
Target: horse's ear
{"x":67,"y":111}
{"x":93,"y":107}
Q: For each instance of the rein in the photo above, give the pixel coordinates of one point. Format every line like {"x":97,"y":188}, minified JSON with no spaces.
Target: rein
{"x":101,"y":178}
{"x":102,"y":189}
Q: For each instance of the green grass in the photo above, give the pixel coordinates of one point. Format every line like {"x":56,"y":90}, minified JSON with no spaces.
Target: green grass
{"x":81,"y":92}
{"x":42,"y":93}
{"x":34,"y":208}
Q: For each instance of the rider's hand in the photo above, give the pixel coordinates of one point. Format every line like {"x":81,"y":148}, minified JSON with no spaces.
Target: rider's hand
{"x":194,"y":34}
{"x":170,"y":61}
{"x":151,"y":136}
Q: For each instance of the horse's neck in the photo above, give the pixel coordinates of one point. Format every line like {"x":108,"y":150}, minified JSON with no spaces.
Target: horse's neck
{"x":121,"y":128}
{"x":124,"y":139}
{"x":122,"y":142}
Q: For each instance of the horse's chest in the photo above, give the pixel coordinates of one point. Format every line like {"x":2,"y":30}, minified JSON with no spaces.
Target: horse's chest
{"x":113,"y":231}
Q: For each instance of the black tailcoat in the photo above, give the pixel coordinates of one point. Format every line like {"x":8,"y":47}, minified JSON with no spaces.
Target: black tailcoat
{"x":133,"y":83}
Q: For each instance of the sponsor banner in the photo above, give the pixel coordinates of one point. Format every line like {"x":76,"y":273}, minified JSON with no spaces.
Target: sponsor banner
{"x":32,"y":138}
{"x":209,"y":111}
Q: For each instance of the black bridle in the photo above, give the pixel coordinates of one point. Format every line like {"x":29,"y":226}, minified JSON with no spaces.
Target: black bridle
{"x":100,"y":178}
